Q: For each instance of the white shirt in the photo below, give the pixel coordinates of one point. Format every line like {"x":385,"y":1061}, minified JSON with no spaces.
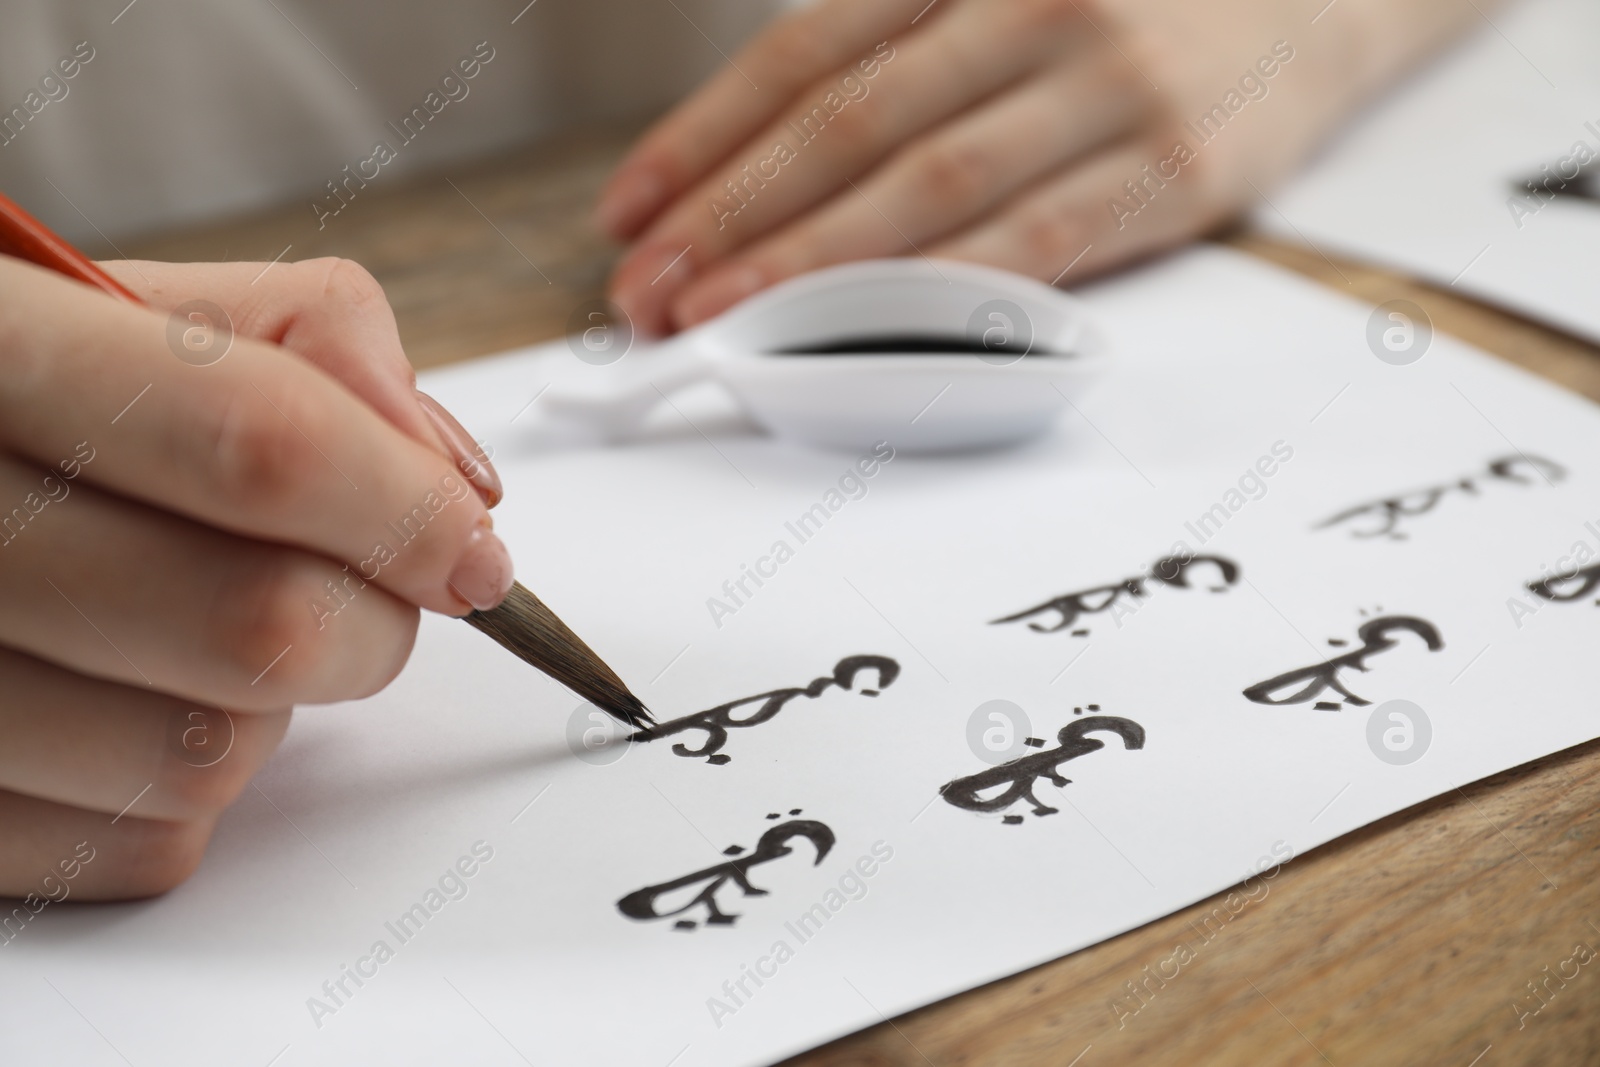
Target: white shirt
{"x":176,"y":110}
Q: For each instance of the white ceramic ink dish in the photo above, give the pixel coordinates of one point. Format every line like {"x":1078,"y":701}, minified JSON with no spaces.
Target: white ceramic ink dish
{"x":981,"y":358}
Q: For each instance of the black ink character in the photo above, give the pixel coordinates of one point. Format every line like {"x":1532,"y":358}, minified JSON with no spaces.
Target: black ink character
{"x":1173,"y":571}
{"x":1019,"y":775}
{"x":1392,"y":511}
{"x":1314,"y":680}
{"x":641,"y":904}
{"x":1561,"y":588}
{"x":1583,"y":184}
{"x":1506,"y":468}
{"x":1387,"y":513}
{"x":717,"y":721}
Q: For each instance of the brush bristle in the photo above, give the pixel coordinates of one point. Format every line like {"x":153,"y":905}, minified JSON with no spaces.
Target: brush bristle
{"x":526,"y":627}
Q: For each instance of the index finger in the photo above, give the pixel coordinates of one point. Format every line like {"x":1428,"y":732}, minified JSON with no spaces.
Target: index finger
{"x":333,"y":313}
{"x":259,"y":443}
{"x":757,"y":83}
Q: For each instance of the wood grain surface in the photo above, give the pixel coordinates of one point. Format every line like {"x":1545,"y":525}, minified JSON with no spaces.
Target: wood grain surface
{"x":1417,"y":940}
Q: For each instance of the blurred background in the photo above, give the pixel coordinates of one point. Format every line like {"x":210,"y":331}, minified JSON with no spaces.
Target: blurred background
{"x":190,"y":109}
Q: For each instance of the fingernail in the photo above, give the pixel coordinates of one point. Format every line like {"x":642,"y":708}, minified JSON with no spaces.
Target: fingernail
{"x":647,"y":282}
{"x":468,"y":456}
{"x":628,"y":202}
{"x":657,"y":266}
{"x":483,"y":574}
{"x":717,"y":293}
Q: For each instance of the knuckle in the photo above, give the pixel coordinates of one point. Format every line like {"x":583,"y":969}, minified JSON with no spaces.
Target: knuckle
{"x":207,"y":790}
{"x":1121,"y":83}
{"x":345,"y":282}
{"x":388,"y":655}
{"x":1037,"y":15}
{"x":156,"y":856}
{"x":265,"y":610}
{"x":953,"y":176}
{"x":663,"y":152}
{"x":859,"y":126}
{"x":793,"y":49}
{"x":258,"y":458}
{"x":1045,"y":235}
{"x":280,"y":630}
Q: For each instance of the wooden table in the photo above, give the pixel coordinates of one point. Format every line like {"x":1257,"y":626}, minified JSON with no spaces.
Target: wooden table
{"x":1411,"y":941}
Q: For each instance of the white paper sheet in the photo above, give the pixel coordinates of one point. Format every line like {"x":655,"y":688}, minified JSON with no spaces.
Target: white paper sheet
{"x":1219,"y":360}
{"x":1423,"y":181}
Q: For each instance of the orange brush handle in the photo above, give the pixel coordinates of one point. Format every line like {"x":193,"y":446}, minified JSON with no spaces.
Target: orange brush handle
{"x":24,"y":237}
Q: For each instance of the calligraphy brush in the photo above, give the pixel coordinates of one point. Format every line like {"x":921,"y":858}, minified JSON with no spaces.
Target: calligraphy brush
{"x":521,"y":624}
{"x":524,"y":626}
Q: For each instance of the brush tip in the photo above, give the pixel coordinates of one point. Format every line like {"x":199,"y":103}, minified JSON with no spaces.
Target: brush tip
{"x":631,"y":710}
{"x":523,"y":624}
